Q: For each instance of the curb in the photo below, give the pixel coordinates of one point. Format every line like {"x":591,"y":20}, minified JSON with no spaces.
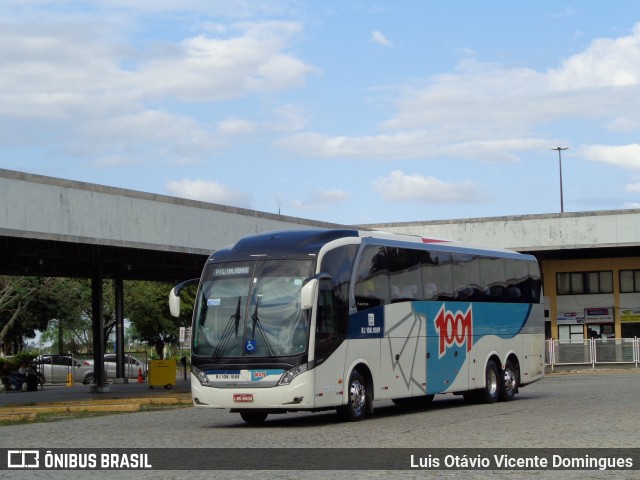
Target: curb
{"x":145,"y":400}
{"x":18,"y":413}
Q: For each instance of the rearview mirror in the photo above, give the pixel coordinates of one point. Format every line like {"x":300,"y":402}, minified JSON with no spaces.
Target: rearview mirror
{"x":174,"y":296}
{"x":174,"y":303}
{"x":308,"y":294}
{"x":308,"y":291}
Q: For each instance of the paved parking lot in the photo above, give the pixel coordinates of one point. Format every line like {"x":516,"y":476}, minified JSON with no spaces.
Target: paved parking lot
{"x":597,"y":410}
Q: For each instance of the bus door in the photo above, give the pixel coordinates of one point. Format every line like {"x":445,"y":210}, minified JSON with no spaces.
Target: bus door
{"x":329,"y":349}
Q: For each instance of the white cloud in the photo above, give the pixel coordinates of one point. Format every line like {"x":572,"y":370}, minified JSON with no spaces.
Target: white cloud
{"x":380,"y":39}
{"x":289,"y":117}
{"x":632,"y":187}
{"x":210,"y":69}
{"x":173,"y":139}
{"x":282,"y":118}
{"x":409,"y":145}
{"x":398,"y":186}
{"x":116,"y":161}
{"x":236,"y":126}
{"x":622,"y":156}
{"x":321,"y":198}
{"x":605,"y":63}
{"x":208,"y":191}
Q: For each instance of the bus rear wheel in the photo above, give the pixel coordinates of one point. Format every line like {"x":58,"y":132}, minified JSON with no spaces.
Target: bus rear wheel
{"x":509,"y":385}
{"x":358,"y":397}
{"x":492,"y":383}
{"x":254,"y":418}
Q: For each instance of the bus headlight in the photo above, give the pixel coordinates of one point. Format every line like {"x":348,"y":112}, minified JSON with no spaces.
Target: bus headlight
{"x":201,"y":376}
{"x":288,"y":376}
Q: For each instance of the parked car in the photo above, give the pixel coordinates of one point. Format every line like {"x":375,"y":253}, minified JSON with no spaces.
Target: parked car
{"x":55,"y":368}
{"x":131,"y":366}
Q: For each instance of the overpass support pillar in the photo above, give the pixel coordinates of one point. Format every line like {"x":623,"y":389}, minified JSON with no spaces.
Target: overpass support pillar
{"x":119,"y":294}
{"x":97,"y":322}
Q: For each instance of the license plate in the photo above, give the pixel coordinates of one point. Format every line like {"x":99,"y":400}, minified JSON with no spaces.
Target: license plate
{"x":243,"y":397}
{"x":227,"y":376}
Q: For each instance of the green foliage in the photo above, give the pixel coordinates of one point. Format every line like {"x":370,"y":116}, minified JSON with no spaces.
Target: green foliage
{"x":147,"y":308}
{"x":26,"y":305}
{"x":71,"y":310}
{"x":9,"y":364}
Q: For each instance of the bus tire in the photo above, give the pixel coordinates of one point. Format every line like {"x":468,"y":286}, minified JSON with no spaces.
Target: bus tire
{"x":254,"y":418}
{"x":358,"y":398}
{"x":492,"y":383}
{"x":509,"y":385}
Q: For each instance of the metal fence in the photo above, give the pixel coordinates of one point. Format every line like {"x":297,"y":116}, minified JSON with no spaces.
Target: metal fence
{"x":592,"y":352}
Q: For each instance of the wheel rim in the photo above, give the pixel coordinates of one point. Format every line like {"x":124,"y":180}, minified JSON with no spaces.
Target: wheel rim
{"x":509,"y":380}
{"x":492,"y":382}
{"x":358,"y":397}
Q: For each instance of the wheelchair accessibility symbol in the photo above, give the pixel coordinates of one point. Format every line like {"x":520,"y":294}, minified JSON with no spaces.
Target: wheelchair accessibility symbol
{"x":250,"y":346}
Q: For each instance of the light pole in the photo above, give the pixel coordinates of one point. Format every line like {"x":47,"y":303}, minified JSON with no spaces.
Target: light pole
{"x":559,"y":149}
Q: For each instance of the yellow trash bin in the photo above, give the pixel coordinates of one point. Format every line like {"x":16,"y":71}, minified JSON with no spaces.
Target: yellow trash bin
{"x":162,"y":373}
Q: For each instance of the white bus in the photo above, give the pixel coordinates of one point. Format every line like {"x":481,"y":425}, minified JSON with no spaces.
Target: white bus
{"x":335,"y":319}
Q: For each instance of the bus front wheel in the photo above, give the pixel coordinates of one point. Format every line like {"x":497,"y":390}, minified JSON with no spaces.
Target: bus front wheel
{"x":356,"y":405}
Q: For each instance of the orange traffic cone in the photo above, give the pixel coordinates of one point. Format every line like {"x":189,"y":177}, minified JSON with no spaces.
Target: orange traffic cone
{"x":140,"y":377}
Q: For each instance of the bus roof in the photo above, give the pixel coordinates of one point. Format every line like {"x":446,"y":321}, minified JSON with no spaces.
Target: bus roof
{"x":281,"y":243}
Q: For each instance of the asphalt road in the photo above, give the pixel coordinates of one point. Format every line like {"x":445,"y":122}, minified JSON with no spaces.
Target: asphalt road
{"x":561,"y":411}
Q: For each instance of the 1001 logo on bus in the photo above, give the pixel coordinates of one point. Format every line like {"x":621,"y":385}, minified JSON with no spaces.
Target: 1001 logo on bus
{"x":454,"y":328}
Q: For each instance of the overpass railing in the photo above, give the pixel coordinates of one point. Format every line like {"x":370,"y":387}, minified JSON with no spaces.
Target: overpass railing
{"x":592,"y":352}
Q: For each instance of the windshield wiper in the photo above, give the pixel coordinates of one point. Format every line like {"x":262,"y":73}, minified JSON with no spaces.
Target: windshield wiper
{"x":226,"y":333}
{"x":257,"y":323}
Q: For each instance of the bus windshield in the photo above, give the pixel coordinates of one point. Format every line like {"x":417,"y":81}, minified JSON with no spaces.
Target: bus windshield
{"x":251,"y":309}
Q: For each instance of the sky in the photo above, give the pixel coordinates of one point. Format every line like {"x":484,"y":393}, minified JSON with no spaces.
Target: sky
{"x":344,"y":111}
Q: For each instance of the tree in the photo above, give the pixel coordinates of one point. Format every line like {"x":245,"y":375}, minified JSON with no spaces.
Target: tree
{"x":60,"y":307}
{"x":147,"y":308}
{"x":24,"y":308}
{"x":69,"y":329}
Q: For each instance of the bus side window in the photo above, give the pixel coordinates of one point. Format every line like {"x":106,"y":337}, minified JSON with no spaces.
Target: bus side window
{"x":492,"y":279}
{"x":436,"y":276}
{"x":466,"y":277}
{"x":339,"y":264}
{"x":372,"y":281}
{"x":517,"y":273}
{"x":333,"y":300}
{"x":404,"y":274}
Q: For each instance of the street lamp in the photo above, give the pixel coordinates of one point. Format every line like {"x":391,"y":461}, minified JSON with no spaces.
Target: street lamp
{"x":559,"y":149}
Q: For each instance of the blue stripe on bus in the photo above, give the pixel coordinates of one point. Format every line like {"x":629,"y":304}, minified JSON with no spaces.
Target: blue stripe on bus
{"x":452,"y":328}
{"x":448,"y":347}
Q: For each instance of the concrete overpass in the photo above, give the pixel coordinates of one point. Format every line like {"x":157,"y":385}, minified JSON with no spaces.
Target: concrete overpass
{"x":566,"y":235}
{"x":55,"y":227}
